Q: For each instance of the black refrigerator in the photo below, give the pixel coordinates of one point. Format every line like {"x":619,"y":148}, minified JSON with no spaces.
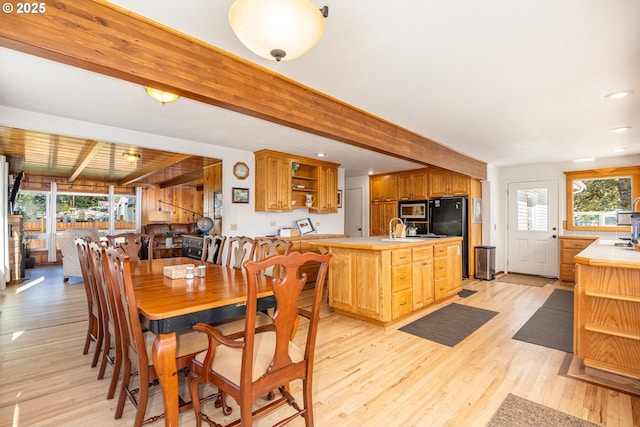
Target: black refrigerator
{"x":448,"y":216}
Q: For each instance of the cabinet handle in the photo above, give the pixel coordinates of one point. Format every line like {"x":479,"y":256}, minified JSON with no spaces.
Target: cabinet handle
{"x":402,"y":257}
{"x":403,"y":277}
{"x":403,"y":303}
{"x":442,"y":289}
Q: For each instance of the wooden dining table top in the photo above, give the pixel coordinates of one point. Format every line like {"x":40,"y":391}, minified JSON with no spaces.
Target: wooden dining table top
{"x":160,"y":297}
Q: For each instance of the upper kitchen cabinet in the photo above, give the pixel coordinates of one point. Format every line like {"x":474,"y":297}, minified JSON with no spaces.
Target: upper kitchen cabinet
{"x":383,"y":188}
{"x":285,"y":182}
{"x":447,"y":183}
{"x":413,"y":185}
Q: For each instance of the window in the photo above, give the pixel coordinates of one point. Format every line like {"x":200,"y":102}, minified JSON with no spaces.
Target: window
{"x":533,"y":209}
{"x":595,"y":197}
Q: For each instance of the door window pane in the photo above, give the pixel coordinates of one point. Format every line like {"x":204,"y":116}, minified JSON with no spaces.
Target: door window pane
{"x":533,"y":209}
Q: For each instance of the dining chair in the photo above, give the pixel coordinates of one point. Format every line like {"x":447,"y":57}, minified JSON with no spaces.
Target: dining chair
{"x":111,"y":326}
{"x":213,"y":247}
{"x":263,"y":358}
{"x":270,"y":247}
{"x":94,"y":328}
{"x":237,"y":250}
{"x":136,"y":344}
{"x":137,"y":245}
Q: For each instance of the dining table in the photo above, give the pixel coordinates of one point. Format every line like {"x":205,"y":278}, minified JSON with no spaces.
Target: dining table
{"x":167,"y":306}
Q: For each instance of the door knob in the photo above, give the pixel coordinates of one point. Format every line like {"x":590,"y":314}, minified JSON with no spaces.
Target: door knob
{"x":554,"y":236}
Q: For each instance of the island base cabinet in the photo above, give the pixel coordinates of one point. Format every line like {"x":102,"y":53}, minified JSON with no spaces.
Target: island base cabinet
{"x":607,"y":319}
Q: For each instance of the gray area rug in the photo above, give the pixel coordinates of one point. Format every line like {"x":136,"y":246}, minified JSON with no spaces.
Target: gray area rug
{"x":552,"y":324}
{"x":466,"y":292}
{"x":450,"y":324}
{"x":518,"y":412}
{"x":524,"y":279}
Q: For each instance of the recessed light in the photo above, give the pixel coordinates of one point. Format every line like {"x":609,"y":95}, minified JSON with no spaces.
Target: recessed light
{"x":370,"y":172}
{"x":619,"y":149}
{"x":586,"y":159}
{"x":619,"y":94}
{"x":621,"y":129}
{"x":320,"y":154}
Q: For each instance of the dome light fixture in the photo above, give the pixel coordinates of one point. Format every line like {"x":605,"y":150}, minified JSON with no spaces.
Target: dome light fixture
{"x":160,"y":95}
{"x":131,"y":157}
{"x":278,"y":29}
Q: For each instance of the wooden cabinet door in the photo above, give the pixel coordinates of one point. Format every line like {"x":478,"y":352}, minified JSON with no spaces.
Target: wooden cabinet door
{"x":383,"y":188}
{"x":341,"y":276}
{"x":420,"y":185}
{"x":379,"y":216}
{"x":368,"y":284}
{"x":454,"y":268}
{"x":458,"y":184}
{"x":438,"y":183}
{"x":405,"y":186}
{"x":327,"y":190}
{"x":412,"y":186}
{"x":273,"y":184}
{"x":423,"y":290}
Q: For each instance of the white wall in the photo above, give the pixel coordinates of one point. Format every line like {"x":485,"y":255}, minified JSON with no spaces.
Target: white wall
{"x":361,"y":182}
{"x":248,"y":222}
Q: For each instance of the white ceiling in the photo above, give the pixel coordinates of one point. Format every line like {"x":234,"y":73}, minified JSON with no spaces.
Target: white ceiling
{"x":507,"y":82}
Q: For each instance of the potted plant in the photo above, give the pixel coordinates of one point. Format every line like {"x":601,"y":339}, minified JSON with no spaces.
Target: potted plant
{"x":294,"y":167}
{"x":26,"y":252}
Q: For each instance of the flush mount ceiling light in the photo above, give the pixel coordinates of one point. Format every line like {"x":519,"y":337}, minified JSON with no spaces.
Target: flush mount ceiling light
{"x":131,"y":157}
{"x":160,"y":95}
{"x":621,"y":129}
{"x":278,"y":29}
{"x":619,"y":94}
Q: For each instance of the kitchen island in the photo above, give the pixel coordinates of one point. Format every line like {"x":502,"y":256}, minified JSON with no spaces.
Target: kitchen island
{"x":606,"y":326}
{"x":383,"y":281}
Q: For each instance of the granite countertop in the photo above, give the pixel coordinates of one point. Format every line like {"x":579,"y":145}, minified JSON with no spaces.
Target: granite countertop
{"x":382,"y":242}
{"x":605,"y":253}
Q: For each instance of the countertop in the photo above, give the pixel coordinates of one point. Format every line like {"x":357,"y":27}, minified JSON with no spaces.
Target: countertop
{"x":604,"y":253}
{"x":377,"y":242}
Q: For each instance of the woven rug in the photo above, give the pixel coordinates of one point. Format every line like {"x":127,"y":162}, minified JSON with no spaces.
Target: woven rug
{"x":524,"y":279}
{"x":552,"y":324}
{"x":450,"y":324}
{"x":466,"y":292}
{"x":518,"y":412}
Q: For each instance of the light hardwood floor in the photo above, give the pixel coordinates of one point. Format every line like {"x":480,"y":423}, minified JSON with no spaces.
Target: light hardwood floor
{"x":364,"y":375}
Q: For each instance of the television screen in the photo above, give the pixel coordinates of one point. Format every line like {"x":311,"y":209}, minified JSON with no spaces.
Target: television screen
{"x":14,"y":191}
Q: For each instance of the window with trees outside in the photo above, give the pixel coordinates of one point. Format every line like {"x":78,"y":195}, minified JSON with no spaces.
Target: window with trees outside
{"x":597,"y":198}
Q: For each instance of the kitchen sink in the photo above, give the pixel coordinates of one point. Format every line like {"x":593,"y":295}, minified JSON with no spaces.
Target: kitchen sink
{"x":399,"y":240}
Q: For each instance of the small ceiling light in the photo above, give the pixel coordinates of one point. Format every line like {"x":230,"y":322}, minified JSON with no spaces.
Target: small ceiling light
{"x":619,"y":94}
{"x":160,"y":95}
{"x":320,"y":154}
{"x":586,"y":159}
{"x":278,"y":29}
{"x":621,"y":129}
{"x":131,"y":157}
{"x":619,"y":149}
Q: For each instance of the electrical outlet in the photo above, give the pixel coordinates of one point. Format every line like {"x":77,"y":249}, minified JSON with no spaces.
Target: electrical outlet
{"x":233,"y":227}
{"x":272,"y":224}
{"x":317,"y":224}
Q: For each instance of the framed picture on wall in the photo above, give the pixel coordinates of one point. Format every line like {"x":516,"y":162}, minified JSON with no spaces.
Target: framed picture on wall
{"x":477,"y":211}
{"x":339,"y":198}
{"x":217,"y":205}
{"x":239,"y":195}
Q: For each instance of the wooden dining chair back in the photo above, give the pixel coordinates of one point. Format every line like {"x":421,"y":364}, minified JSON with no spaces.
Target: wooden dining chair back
{"x":94,"y":328}
{"x":136,"y":344}
{"x":137,"y":245}
{"x":270,"y":247}
{"x":212,"y":248}
{"x":237,"y":250}
{"x":264,"y":358}
{"x":112,"y":343}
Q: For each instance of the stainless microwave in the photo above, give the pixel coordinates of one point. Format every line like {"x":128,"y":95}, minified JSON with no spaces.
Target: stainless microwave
{"x":416,"y":210}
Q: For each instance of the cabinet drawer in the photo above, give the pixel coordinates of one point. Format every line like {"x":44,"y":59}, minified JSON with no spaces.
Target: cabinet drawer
{"x":401,"y":303}
{"x":400,"y":256}
{"x":440,"y":288}
{"x":575,"y":243}
{"x":401,"y":277}
{"x":567,"y":272}
{"x":422,"y":254}
{"x":439,"y":250}
{"x":440,"y":268}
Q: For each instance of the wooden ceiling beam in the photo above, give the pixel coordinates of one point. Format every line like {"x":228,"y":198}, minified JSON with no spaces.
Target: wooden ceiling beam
{"x":150,"y":170}
{"x":101,"y":37}
{"x":184,"y":179}
{"x":94,"y":148}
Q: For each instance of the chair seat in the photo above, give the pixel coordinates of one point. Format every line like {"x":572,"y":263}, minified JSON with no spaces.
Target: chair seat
{"x":228,"y":361}
{"x":187,"y":342}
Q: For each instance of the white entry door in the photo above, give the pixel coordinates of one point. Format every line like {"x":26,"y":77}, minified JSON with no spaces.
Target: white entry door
{"x":353,"y":212}
{"x":533,"y":228}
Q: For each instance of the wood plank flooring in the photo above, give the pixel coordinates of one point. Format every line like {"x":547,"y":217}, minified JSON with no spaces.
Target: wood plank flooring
{"x":364,"y":375}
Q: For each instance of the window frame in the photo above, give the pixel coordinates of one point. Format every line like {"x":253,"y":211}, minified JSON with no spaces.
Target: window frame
{"x":632,"y":171}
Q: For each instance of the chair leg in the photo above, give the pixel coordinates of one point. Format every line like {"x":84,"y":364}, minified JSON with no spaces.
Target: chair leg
{"x":126,"y":379}
{"x":194,"y":392}
{"x":116,"y":372}
{"x":106,"y":346}
{"x":307,"y":401}
{"x":143,"y":397}
{"x":90,"y":333}
{"x":99,"y":340}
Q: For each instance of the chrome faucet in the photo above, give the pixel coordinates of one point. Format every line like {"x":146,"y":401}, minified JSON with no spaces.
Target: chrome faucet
{"x":392,"y":233}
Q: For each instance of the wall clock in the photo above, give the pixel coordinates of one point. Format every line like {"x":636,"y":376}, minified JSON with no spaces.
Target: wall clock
{"x":241,"y":170}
